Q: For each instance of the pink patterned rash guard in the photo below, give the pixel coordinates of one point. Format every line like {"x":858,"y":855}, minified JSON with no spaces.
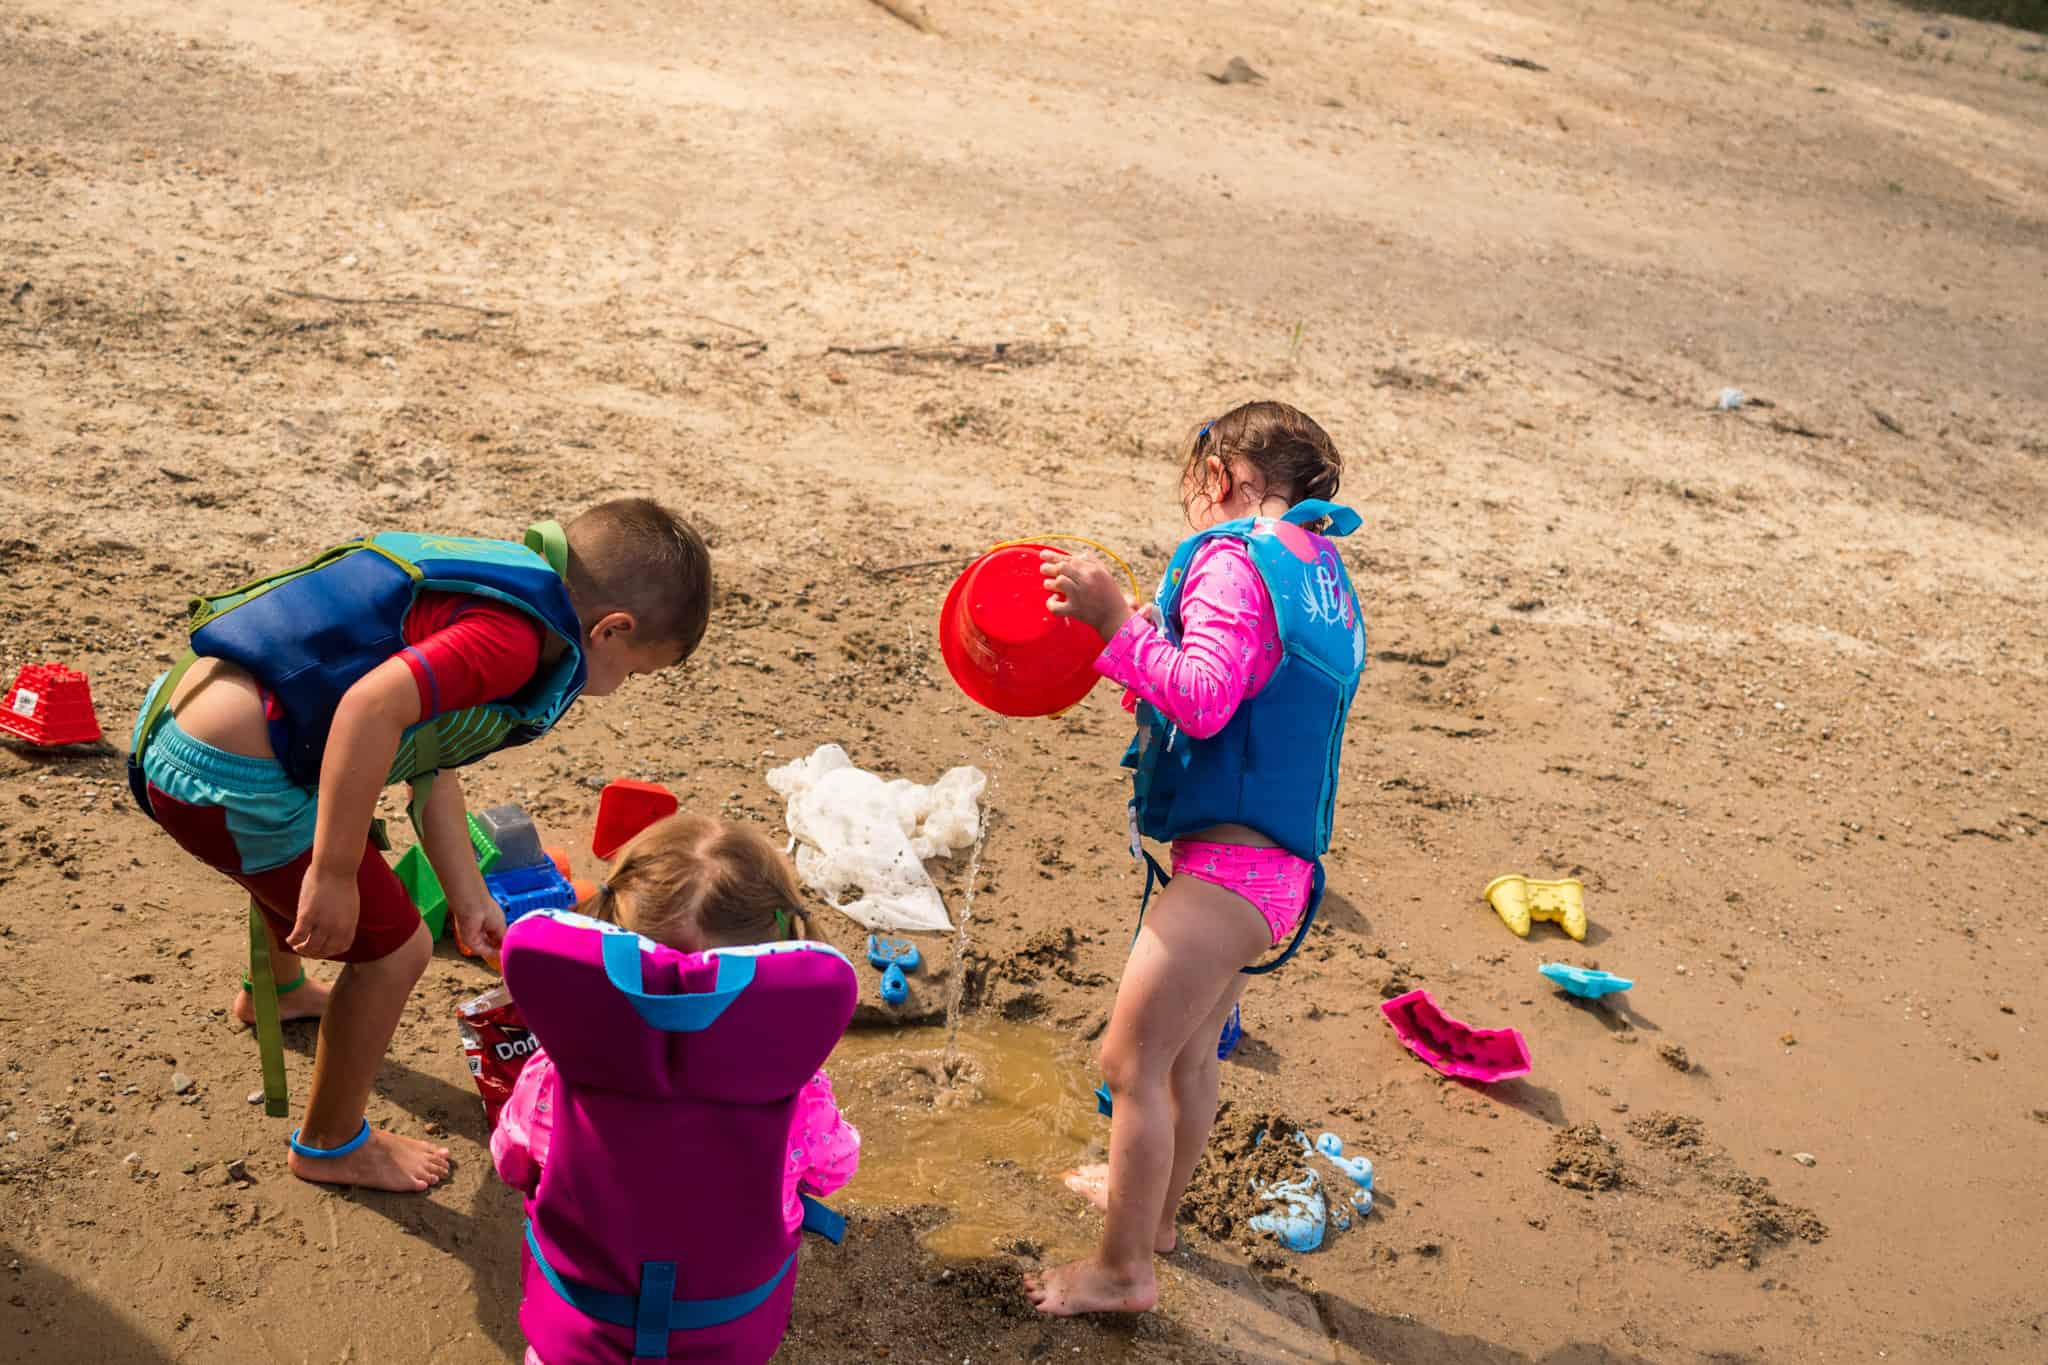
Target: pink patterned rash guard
{"x":1229,"y":645}
{"x":824,"y":1149}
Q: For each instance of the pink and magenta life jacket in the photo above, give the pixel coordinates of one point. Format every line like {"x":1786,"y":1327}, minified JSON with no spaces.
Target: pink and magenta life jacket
{"x":656,"y":1231}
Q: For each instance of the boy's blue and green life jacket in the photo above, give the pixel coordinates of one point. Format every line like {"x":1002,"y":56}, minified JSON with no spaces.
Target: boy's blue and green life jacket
{"x":309,"y":633}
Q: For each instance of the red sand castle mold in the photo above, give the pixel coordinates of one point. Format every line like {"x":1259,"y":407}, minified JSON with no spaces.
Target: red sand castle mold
{"x":49,"y":705}
{"x":625,"y":808}
{"x":1456,"y":1049}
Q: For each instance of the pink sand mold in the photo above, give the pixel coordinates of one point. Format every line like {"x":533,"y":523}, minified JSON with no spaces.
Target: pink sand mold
{"x":1456,"y":1049}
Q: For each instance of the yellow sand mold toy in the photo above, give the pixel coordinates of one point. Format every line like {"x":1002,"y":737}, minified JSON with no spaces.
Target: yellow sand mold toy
{"x":1519,"y":900}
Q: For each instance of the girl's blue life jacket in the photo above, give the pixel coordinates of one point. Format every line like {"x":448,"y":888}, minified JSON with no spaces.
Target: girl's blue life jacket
{"x":1273,"y":766}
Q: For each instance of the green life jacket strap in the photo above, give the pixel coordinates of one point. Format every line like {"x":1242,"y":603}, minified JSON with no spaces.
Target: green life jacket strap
{"x":160,"y":704}
{"x":426,"y":747}
{"x":269,"y":1033}
{"x":548,"y":540}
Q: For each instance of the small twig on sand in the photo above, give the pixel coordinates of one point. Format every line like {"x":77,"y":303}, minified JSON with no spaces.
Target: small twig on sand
{"x":915,"y":565}
{"x":913,"y":15}
{"x":392,"y":302}
{"x":750,"y":347}
{"x":721,"y":322}
{"x":1017,"y":353}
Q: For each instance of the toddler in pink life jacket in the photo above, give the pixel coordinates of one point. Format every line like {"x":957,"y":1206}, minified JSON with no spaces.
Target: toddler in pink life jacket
{"x":711,"y":892}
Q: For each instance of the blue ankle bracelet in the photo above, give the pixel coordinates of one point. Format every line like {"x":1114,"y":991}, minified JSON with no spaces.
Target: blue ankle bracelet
{"x":329,"y":1153}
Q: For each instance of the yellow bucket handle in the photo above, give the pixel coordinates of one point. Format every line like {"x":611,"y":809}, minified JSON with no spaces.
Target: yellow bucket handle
{"x":1100,"y":548}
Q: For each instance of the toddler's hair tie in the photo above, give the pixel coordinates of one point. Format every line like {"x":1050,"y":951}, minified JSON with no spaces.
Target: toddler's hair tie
{"x":604,"y":888}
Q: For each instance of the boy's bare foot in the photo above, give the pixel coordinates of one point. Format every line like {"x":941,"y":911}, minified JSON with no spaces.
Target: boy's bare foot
{"x":1091,"y":1287}
{"x":386,"y":1162}
{"x":1092,"y":1184}
{"x":306,"y":1001}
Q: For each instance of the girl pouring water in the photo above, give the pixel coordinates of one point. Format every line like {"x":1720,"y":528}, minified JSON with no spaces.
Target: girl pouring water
{"x":1241,"y":674}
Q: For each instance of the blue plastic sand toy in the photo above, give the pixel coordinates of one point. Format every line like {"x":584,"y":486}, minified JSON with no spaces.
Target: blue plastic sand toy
{"x":1300,"y":1216}
{"x":1358,"y":1168}
{"x":1233,"y":1034}
{"x":1584,"y":982}
{"x":520,"y":891}
{"x":884,"y":953}
{"x":895,"y":990}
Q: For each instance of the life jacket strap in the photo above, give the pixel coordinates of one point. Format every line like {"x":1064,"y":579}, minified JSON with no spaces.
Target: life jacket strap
{"x":1157,"y":876}
{"x":548,"y":540}
{"x":673,"y":1013}
{"x":426,"y":748}
{"x":269,"y":1032}
{"x":146,"y":728}
{"x":262,"y":980}
{"x":1343,"y":521}
{"x":822,"y":1219}
{"x":655,"y":1311}
{"x":1308,"y":917}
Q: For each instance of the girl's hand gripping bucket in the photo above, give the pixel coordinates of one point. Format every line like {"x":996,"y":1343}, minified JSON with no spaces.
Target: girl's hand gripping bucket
{"x":1003,"y":645}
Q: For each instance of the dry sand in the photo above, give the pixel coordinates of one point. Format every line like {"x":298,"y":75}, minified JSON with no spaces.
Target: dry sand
{"x":1770,"y":681}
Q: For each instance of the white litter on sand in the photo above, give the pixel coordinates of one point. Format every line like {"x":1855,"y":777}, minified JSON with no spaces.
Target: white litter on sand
{"x":854,"y":832}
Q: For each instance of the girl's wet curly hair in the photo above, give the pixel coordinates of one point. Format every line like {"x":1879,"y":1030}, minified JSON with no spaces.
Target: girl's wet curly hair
{"x":1283,"y":446}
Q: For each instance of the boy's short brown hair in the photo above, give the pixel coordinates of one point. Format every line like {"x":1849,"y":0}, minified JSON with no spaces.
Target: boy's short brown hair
{"x":636,"y":556}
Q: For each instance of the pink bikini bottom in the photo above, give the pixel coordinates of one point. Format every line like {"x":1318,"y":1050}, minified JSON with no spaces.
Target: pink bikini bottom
{"x":1275,"y":881}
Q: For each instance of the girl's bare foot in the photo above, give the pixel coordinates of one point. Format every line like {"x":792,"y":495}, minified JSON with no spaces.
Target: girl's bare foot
{"x":306,"y":1001}
{"x":1092,"y":1184}
{"x":386,"y":1162}
{"x":1092,"y":1287}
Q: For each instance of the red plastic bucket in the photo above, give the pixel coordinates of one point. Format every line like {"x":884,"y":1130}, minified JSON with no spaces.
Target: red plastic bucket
{"x":1003,"y":645}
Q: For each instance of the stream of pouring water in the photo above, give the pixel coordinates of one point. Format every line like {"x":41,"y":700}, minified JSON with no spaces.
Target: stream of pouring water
{"x":951,"y":1062}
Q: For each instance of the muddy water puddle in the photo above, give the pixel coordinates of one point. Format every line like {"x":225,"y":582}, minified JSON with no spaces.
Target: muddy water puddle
{"x":987,"y":1144}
